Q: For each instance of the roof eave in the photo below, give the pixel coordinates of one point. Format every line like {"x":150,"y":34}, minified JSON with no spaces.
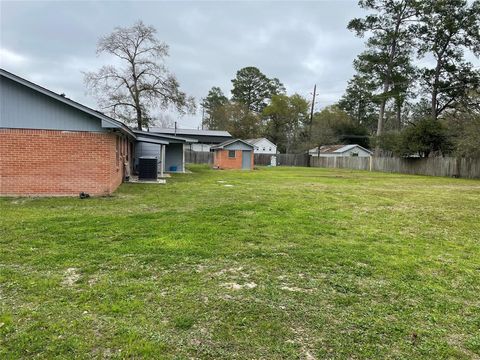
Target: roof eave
{"x":170,"y":139}
{"x":107,"y":122}
{"x":151,"y":140}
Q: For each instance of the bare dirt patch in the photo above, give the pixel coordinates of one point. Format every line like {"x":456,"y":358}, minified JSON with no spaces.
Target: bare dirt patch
{"x":235,"y":286}
{"x":71,"y":277}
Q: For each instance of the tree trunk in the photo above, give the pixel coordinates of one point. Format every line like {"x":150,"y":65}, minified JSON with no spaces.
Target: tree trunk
{"x":359,"y":113}
{"x":434,"y":112}
{"x":139,"y":118}
{"x":381,"y":112}
{"x":434,"y":102}
{"x":386,"y":84}
{"x":398,"y":115}
{"x":381,"y":115}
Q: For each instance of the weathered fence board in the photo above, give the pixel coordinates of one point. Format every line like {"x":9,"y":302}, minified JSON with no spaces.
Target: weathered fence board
{"x":199,"y":157}
{"x":356,"y":163}
{"x":205,"y":157}
{"x":283,"y":159}
{"x":262,"y":159}
{"x":437,"y":166}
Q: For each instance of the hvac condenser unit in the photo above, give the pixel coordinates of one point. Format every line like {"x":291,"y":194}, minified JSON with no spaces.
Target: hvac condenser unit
{"x":147,"y":168}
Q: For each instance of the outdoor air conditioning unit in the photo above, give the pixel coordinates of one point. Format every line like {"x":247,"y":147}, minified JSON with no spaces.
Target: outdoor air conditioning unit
{"x":147,"y":168}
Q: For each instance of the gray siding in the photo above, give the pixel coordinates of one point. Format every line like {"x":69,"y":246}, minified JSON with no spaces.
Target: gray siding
{"x":24,"y":108}
{"x":174,"y":156}
{"x":147,"y":149}
{"x":238,"y":146}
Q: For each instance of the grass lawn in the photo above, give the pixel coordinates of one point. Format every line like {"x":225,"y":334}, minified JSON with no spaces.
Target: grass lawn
{"x":286,"y":263}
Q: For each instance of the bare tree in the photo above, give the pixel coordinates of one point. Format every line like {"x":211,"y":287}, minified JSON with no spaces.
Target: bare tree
{"x":134,"y":91}
{"x":164,"y":121}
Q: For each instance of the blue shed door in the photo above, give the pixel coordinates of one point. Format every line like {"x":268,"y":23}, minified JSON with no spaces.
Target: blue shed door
{"x":246,"y":159}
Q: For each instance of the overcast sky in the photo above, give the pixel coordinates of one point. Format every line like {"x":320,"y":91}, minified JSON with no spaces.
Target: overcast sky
{"x":301,"y":43}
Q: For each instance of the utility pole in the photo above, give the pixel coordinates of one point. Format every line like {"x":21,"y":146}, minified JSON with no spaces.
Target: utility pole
{"x":311,"y":110}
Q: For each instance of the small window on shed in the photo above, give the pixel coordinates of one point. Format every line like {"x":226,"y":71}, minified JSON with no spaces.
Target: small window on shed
{"x":354,"y":154}
{"x":269,"y":149}
{"x":231,"y":153}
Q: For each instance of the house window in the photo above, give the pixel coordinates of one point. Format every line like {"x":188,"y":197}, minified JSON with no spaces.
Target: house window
{"x":354,"y":154}
{"x":231,"y":153}
{"x":263,"y":149}
{"x":269,"y":149}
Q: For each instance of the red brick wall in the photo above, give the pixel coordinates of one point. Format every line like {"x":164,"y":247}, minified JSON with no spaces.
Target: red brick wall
{"x":222,"y":161}
{"x":52,"y":162}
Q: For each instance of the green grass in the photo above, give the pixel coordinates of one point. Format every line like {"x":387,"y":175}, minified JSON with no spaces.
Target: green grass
{"x":288,"y":263}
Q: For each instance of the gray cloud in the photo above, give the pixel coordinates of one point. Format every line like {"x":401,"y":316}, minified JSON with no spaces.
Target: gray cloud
{"x":301,"y":43}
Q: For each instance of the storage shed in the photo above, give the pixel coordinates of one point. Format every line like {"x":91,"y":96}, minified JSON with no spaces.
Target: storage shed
{"x":233,"y":154}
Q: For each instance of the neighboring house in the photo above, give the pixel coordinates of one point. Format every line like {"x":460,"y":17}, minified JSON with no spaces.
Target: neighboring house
{"x":340,"y":150}
{"x":263,"y":146}
{"x":233,"y":154}
{"x":205,"y":139}
{"x":51,"y":145}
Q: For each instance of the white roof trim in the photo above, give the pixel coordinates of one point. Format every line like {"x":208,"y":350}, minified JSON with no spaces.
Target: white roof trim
{"x":350,"y":147}
{"x":229,"y":142}
{"x":255,"y":141}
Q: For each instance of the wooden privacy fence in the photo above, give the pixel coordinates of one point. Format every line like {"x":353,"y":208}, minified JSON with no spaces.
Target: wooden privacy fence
{"x":199,"y":157}
{"x":283,"y":159}
{"x":437,"y":166}
{"x":205,"y":157}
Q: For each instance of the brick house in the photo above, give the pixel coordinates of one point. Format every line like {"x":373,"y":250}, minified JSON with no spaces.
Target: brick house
{"x":51,"y":145}
{"x":233,"y":154}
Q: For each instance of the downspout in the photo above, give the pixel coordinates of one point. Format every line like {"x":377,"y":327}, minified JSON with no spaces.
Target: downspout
{"x":183,"y":157}
{"x":162,"y":168}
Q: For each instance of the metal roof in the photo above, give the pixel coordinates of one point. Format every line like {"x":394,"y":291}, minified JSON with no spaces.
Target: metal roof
{"x":228,"y":142}
{"x":168,"y":138}
{"x":351,"y":146}
{"x":151,"y":140}
{"x":254,"y":141}
{"x":190,"y":132}
{"x":338,"y":149}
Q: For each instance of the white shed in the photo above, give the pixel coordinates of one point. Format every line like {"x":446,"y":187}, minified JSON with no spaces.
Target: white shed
{"x":340,"y":151}
{"x":263,"y":146}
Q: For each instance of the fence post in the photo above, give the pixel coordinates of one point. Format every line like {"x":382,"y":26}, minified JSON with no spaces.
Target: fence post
{"x":370,"y":160}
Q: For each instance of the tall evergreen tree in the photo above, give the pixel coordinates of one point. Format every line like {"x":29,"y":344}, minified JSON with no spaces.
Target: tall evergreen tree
{"x":388,"y":46}
{"x":214,"y":100}
{"x":252,"y":88}
{"x":360,"y":103}
{"x":286,"y":116}
{"x":445,"y":28}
